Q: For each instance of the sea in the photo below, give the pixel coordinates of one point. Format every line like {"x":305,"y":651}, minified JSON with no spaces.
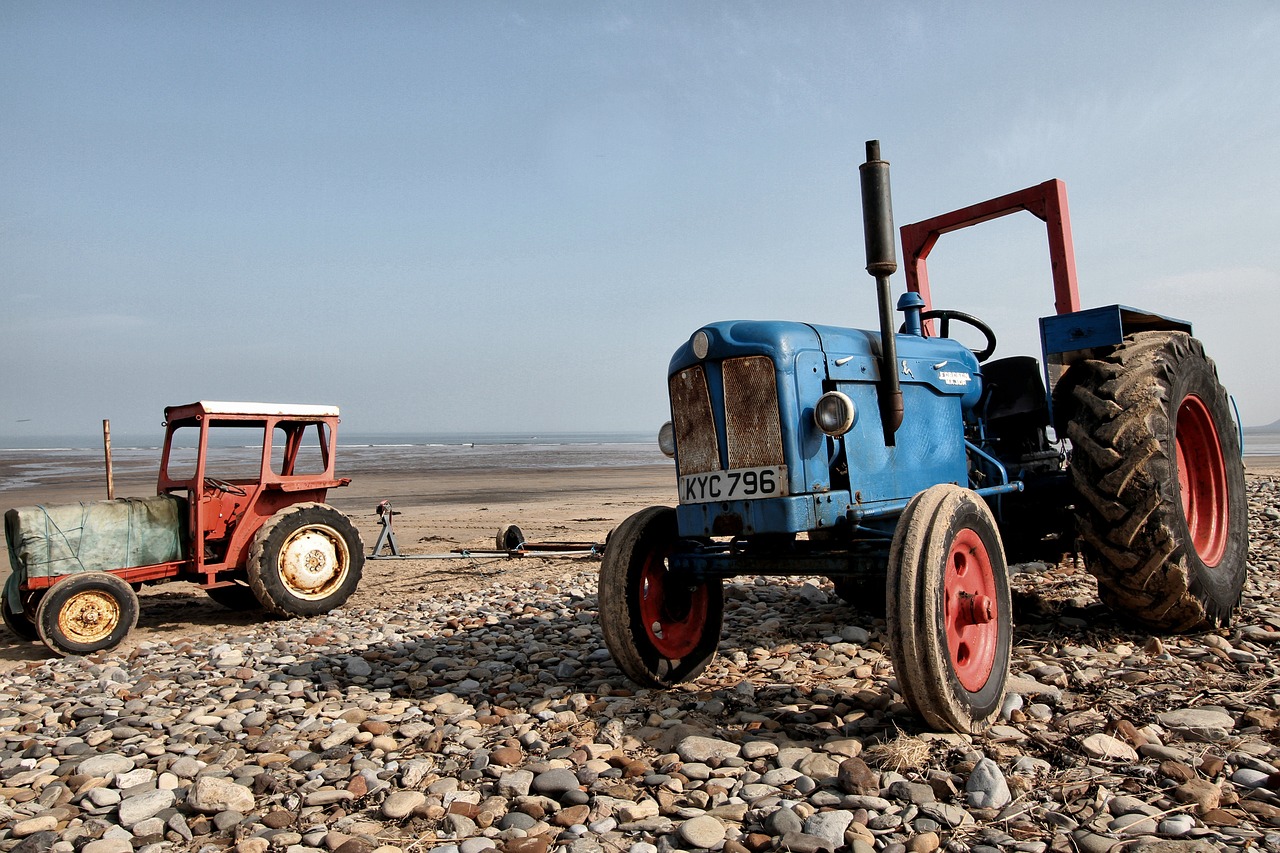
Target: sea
{"x":73,"y":459}
{"x":70,"y":460}
{"x":1262,"y":444}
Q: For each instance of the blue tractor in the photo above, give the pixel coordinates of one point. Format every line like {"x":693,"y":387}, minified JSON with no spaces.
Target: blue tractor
{"x":911,"y":470}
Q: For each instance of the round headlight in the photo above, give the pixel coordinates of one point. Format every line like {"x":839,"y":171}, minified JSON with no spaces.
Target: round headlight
{"x":701,"y":344}
{"x":834,"y":413}
{"x":667,"y":440}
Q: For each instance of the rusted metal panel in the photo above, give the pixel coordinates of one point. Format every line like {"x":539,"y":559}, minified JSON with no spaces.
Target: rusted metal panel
{"x":753,"y":434}
{"x":697,"y":447}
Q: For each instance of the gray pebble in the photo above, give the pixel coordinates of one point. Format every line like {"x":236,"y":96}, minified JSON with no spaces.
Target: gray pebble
{"x":302,"y":737}
{"x":986,"y":787}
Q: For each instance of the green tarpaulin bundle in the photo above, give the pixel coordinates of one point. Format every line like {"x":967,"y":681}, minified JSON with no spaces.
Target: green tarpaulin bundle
{"x":50,"y":541}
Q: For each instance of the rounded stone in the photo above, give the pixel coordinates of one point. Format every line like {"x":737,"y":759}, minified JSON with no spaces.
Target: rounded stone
{"x":704,"y":831}
{"x":106,"y":765}
{"x":211,"y":795}
{"x":783,"y":820}
{"x":555,"y":782}
{"x":133,"y":810}
{"x":704,"y":749}
{"x":400,"y":804}
{"x":506,"y":756}
{"x":986,"y":787}
{"x":1106,"y":747}
{"x":829,"y":826}
{"x":925,"y":842}
{"x":108,"y":845}
{"x":1176,"y":825}
{"x":32,"y":825}
{"x":1198,"y":723}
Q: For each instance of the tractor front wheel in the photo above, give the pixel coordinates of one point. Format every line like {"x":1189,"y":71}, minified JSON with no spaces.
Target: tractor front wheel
{"x":660,"y":627}
{"x":305,"y":560}
{"x":85,"y":613}
{"x":949,"y":609}
{"x":1160,"y":494}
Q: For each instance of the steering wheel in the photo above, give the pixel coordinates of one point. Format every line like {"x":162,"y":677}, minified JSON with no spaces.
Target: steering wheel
{"x":946,"y":315}
{"x":224,"y":486}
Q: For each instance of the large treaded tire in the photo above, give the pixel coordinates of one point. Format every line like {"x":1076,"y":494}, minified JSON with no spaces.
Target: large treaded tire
{"x":1160,"y":497}
{"x":305,"y":560}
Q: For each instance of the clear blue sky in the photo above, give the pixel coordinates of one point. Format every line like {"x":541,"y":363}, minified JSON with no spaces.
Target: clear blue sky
{"x":506,"y":216}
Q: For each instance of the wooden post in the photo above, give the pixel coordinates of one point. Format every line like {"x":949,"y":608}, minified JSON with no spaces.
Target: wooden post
{"x":106,"y":449}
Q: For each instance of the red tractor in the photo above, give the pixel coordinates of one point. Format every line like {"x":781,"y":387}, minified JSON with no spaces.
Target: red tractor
{"x":239,"y":509}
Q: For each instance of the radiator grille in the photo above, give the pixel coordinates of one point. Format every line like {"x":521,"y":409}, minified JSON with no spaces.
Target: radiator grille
{"x":697,"y":447}
{"x":752,"y":432}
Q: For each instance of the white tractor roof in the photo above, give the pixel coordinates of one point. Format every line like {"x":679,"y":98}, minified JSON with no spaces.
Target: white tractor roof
{"x":288,"y":410}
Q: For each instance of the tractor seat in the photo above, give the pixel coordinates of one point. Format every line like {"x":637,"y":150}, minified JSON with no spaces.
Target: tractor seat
{"x":1013,"y":387}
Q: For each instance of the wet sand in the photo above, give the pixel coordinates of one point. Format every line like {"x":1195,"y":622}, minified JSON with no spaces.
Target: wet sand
{"x":440,"y":512}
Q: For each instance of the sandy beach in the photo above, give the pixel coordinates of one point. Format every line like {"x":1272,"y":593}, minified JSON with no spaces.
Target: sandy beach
{"x":440,"y":512}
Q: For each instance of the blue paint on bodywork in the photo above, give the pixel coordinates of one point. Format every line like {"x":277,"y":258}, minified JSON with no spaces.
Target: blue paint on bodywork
{"x":941,"y":384}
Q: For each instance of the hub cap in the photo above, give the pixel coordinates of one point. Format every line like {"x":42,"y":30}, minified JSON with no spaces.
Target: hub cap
{"x":970,"y":614}
{"x":314,"y":561}
{"x":88,"y":617}
{"x":674,"y":615}
{"x":1202,"y":480}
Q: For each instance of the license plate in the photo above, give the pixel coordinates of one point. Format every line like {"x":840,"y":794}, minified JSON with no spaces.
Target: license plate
{"x":740,"y":484}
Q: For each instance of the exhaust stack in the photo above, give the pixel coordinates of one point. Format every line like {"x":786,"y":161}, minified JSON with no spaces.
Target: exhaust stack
{"x":882,"y":262}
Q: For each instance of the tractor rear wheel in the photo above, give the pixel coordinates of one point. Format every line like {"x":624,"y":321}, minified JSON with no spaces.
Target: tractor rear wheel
{"x":660,"y":628}
{"x":87,"y":612}
{"x":950,"y":615}
{"x":305,"y":560}
{"x":20,"y":624}
{"x":1160,"y":495}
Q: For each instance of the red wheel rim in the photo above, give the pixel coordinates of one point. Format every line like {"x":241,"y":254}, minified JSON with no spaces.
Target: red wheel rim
{"x":674,"y":617}
{"x":971,"y":610}
{"x":1202,"y":480}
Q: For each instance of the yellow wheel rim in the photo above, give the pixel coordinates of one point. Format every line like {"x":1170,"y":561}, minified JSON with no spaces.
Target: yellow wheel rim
{"x":89,"y":617}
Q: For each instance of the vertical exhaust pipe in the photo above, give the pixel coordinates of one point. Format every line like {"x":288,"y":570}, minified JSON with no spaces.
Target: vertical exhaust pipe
{"x":882,"y":262}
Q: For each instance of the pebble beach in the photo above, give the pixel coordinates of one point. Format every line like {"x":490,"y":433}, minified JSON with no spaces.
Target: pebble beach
{"x":474,"y":707}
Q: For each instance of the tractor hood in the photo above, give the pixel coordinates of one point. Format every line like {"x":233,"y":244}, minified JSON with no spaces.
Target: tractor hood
{"x":849,"y":354}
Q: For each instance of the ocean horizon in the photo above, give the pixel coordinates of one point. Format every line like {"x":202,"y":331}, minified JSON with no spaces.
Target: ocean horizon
{"x":135,"y":441}
{"x":1256,"y":443}
{"x":71,"y":459}
{"x":76,"y":459}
